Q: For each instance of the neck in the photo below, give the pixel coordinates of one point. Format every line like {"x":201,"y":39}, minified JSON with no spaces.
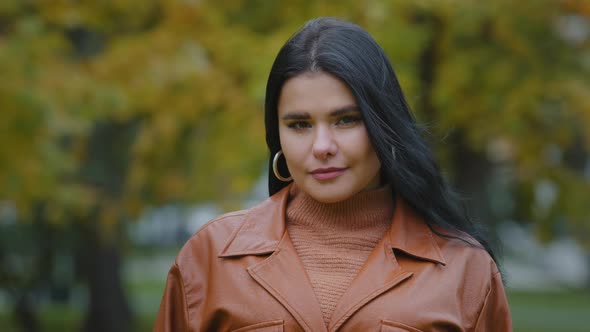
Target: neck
{"x":366,"y":209}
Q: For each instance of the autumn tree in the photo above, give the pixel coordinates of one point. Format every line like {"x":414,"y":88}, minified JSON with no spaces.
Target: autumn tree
{"x":111,"y":106}
{"x":109,"y":109}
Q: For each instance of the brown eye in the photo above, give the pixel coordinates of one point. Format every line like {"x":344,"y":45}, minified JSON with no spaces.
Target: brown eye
{"x":348,"y":120}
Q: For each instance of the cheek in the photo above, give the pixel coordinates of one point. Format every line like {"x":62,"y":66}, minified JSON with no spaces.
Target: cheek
{"x":290,"y":148}
{"x":364,"y":146}
{"x":286,"y":141}
{"x":368,"y":154}
{"x":376,"y":163}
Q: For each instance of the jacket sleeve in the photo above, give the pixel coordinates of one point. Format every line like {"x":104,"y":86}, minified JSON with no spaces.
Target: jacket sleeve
{"x":173,"y":314}
{"x":495,"y":313}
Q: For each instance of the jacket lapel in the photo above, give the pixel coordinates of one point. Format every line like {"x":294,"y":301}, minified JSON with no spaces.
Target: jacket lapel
{"x":409,"y":234}
{"x":281,"y":274}
{"x":380,"y":273}
{"x":284,"y":277}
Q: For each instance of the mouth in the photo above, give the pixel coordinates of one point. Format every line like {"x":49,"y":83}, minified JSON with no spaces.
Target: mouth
{"x":327,"y":173}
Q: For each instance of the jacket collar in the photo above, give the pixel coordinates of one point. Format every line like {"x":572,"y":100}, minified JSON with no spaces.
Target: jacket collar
{"x":411,"y":235}
{"x":260,"y":232}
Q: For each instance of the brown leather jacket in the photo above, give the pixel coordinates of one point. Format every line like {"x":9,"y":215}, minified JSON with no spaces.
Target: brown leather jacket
{"x":240,"y":272}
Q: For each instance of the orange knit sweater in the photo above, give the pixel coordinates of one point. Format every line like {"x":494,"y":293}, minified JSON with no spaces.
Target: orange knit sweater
{"x":334,"y":240}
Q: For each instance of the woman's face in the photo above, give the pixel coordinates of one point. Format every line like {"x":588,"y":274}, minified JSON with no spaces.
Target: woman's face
{"x":324,"y":139}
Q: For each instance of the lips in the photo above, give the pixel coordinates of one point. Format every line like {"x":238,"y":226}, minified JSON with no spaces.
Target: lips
{"x":327,"y":173}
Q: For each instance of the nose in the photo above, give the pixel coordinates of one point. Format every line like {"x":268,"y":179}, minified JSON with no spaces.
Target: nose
{"x":324,"y":144}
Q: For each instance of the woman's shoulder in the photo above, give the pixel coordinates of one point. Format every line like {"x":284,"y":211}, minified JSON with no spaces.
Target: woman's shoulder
{"x":467,"y":253}
{"x":225,"y":222}
{"x":213,"y":237}
{"x":210,"y":239}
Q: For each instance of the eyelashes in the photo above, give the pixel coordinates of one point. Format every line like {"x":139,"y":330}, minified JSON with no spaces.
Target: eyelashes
{"x":342,"y":122}
{"x":349,"y":120}
{"x":299,"y":125}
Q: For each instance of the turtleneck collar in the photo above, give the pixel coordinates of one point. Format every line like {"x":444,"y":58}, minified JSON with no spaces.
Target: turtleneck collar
{"x":366,"y":209}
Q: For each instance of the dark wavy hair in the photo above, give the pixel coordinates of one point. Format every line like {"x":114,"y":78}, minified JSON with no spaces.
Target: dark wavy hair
{"x":349,"y":53}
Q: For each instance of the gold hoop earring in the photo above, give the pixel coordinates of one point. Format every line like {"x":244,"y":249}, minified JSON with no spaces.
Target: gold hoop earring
{"x":275,"y":167}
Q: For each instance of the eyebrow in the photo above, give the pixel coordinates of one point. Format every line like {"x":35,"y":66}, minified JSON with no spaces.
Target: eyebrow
{"x":334,"y":113}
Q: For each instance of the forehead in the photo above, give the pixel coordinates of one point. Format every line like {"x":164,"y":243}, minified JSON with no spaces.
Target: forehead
{"x":314,"y":92}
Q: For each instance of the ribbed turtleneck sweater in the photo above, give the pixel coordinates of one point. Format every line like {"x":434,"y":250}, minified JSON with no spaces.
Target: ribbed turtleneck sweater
{"x":334,"y":240}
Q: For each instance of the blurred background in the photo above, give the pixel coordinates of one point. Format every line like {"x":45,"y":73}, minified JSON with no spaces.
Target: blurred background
{"x":125,"y":125}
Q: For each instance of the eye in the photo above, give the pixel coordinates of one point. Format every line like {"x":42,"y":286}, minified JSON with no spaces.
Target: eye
{"x":299,"y":125}
{"x":348,"y":120}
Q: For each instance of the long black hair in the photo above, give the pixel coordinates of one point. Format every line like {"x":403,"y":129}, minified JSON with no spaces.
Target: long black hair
{"x":350,"y":54}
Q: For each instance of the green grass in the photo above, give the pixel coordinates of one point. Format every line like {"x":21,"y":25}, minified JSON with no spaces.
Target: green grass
{"x":564,"y":311}
{"x":64,"y":318}
{"x":53,"y":318}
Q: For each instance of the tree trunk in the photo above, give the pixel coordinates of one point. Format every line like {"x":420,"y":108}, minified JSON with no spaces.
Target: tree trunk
{"x":108,"y":308}
{"x":472,"y":175}
{"x":105,"y":168}
{"x":471,"y":170}
{"x":25,"y":313}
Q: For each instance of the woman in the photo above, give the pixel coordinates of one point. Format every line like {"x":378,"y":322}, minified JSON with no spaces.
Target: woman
{"x":360,"y":232}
